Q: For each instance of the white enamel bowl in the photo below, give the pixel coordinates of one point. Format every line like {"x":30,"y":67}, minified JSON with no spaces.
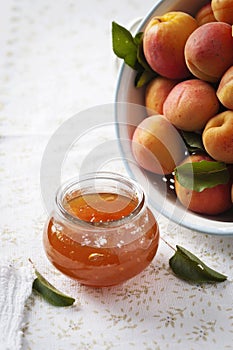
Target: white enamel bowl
{"x":129,"y":111}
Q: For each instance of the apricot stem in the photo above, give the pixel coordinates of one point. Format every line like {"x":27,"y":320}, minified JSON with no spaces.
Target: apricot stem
{"x":169,"y":245}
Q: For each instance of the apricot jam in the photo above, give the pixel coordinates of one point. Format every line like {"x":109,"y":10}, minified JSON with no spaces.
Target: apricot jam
{"x":101,"y":232}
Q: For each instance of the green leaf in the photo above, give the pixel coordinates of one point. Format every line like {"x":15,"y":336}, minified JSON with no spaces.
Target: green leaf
{"x":124,"y":45}
{"x":193,"y":141}
{"x":141,"y":57}
{"x":198,"y":176}
{"x":138,"y":38}
{"x":50,"y":293}
{"x":190,"y":268}
{"x":130,"y":49}
{"x":143,"y":78}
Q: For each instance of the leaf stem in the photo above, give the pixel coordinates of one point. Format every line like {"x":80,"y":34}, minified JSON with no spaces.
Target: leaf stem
{"x":168,"y":244}
{"x":33,"y":265}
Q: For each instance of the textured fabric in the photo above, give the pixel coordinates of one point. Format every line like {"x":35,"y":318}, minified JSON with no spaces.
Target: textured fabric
{"x":15,"y":288}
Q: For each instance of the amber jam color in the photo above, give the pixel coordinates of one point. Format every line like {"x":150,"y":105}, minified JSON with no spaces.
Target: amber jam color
{"x":101,"y":231}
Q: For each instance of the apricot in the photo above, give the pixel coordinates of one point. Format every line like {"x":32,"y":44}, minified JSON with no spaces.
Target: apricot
{"x":163,"y":43}
{"x":205,"y":15}
{"x":225,"y":89}
{"x":157,"y":145}
{"x":210,"y":201}
{"x":223,"y":10}
{"x":217,"y":137}
{"x":190,"y":104}
{"x":209,"y":51}
{"x":156,"y":93}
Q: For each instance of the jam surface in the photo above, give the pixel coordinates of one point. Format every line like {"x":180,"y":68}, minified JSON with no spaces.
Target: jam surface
{"x":100,"y":207}
{"x":101,"y":257}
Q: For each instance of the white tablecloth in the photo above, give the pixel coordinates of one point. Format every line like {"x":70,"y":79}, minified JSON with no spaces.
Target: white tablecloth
{"x":57,"y":60}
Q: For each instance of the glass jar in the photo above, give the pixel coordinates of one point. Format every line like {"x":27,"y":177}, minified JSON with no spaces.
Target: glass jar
{"x":101,"y":231}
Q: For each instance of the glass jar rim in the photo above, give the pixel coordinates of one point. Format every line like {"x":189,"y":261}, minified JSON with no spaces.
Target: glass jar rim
{"x":63,"y":190}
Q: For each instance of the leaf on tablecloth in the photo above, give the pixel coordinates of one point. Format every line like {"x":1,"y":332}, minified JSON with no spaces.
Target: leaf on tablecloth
{"x":189,"y":267}
{"x":51,"y":294}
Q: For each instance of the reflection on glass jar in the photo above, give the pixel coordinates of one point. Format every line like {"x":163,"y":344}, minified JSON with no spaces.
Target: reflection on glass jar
{"x":101,"y":231}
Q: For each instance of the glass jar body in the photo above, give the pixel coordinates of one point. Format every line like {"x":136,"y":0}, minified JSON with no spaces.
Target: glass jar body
{"x":105,"y":252}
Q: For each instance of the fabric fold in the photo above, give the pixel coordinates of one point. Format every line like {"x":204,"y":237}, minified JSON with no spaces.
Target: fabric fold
{"x":15,"y":288}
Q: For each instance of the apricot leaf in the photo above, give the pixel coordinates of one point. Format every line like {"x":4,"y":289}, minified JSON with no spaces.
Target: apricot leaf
{"x":141,"y":57}
{"x":130,"y":49}
{"x":51,"y":294}
{"x":124,"y":45}
{"x":138,"y":38}
{"x":143,"y":78}
{"x":198,"y":176}
{"x":193,"y":141}
{"x":189,"y":267}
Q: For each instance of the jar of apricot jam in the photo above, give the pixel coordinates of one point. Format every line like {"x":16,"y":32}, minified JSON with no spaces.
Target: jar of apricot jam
{"x":101,"y":231}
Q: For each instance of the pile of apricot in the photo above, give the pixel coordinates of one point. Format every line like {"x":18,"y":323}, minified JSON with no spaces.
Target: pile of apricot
{"x":192,"y":92}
